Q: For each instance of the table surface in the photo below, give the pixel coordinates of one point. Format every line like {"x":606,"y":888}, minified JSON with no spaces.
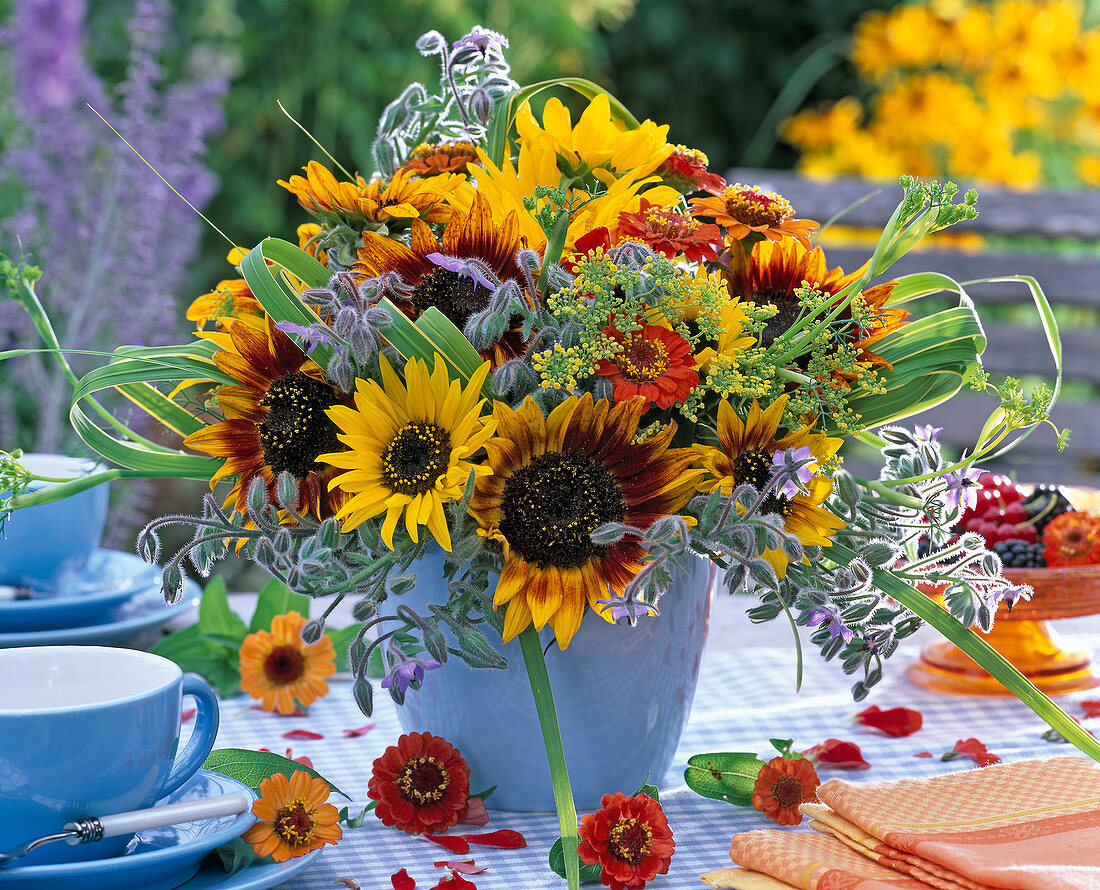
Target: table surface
{"x":746,"y":696}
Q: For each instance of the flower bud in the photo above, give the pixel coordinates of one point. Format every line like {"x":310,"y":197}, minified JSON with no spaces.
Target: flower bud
{"x":312,"y":631}
{"x":431,"y":43}
{"x":481,"y":105}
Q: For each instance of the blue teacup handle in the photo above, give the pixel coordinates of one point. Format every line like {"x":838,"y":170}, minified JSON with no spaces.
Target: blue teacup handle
{"x":202,"y":738}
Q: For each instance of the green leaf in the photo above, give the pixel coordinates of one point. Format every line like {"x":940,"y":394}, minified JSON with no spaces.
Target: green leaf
{"x":236,"y":856}
{"x":590,"y":874}
{"x":376,"y":665}
{"x":276,"y":599}
{"x":649,"y":791}
{"x":726,"y":776}
{"x":485,"y":794}
{"x":215,"y":662}
{"x":252,"y":767}
{"x":356,"y":821}
{"x":216,"y":620}
{"x":341,"y":642}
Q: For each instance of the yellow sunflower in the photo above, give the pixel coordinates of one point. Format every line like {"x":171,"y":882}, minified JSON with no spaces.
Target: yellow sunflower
{"x":275,"y":417}
{"x":279,"y":669}
{"x":410,"y":448}
{"x":554,"y":480}
{"x":745,"y":456}
{"x":294,"y":817}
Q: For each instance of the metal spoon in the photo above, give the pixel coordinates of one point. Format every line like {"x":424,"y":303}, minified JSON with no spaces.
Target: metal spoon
{"x":85,"y":831}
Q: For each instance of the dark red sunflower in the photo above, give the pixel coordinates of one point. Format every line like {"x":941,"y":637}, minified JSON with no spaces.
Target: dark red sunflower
{"x":776,"y":269}
{"x":629,"y":838}
{"x":275,"y":418}
{"x":475,"y":235}
{"x":421,"y":784}
{"x":670,"y":233}
{"x":656,"y":363}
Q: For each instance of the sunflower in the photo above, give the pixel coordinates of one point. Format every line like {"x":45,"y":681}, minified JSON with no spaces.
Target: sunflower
{"x":230,"y":299}
{"x":749,"y":209}
{"x":554,"y":480}
{"x":655,"y":363}
{"x":783,"y":784}
{"x":279,"y":669}
{"x":472,"y":235}
{"x":774,"y":272}
{"x":371,"y":203}
{"x":421,"y":784}
{"x":275,"y":417}
{"x":745,"y":456}
{"x":294,"y":817}
{"x":670,"y":233}
{"x":410,"y":447}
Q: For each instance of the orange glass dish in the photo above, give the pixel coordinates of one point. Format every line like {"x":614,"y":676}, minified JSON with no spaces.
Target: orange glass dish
{"x":1023,"y":636}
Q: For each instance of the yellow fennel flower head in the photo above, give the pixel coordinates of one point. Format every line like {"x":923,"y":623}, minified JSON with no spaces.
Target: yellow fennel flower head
{"x":410,"y":446}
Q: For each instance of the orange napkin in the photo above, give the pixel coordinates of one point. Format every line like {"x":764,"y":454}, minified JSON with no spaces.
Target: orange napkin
{"x":1031,"y":825}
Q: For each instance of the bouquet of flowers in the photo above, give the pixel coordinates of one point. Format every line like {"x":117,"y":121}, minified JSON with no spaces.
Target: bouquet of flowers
{"x":572,"y":357}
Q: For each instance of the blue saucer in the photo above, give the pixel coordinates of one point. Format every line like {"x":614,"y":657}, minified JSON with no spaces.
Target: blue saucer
{"x":258,"y":876}
{"x":158,"y":859}
{"x":132,"y":624}
{"x":110,"y":578}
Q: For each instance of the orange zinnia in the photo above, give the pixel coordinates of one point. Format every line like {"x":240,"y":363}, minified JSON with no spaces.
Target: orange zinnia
{"x":782,"y":785}
{"x":295,"y":817}
{"x":629,"y":838}
{"x":745,"y":209}
{"x":278,"y":668}
{"x":670,"y":233}
{"x":450,"y":157}
{"x":655,"y":363}
{"x":1072,"y":539}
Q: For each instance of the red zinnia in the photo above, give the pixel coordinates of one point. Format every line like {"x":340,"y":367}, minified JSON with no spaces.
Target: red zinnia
{"x":670,"y":233}
{"x":629,"y":839}
{"x":421,"y":784}
{"x":1072,"y":539}
{"x":686,"y":171}
{"x":655,"y":363}
{"x":782,"y":785}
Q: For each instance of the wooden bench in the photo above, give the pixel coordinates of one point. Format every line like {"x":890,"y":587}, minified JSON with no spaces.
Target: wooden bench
{"x":1015,"y":350}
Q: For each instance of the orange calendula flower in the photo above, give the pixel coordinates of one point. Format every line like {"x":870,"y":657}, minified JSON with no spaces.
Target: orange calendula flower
{"x":784,"y":784}
{"x":748,"y":209}
{"x":670,"y":233}
{"x":308,"y":240}
{"x":421,"y":784}
{"x":1072,"y":539}
{"x":431,"y":160}
{"x":629,"y":838}
{"x":686,"y":171}
{"x":655,"y":363}
{"x":279,"y":669}
{"x":275,"y":418}
{"x":230,"y":299}
{"x":295,"y":817}
{"x":406,"y":196}
{"x":556,"y":479}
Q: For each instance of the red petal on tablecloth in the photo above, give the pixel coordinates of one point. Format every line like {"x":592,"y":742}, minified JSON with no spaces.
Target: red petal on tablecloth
{"x":476,"y":812}
{"x":466,"y":866}
{"x":402,"y":881}
{"x":355,"y":733}
{"x":352,"y":884}
{"x":504,"y":837}
{"x":454,"y":843}
{"x":923,"y":754}
{"x":974,"y":749}
{"x":897,"y":722}
{"x":297,"y":734}
{"x":455,"y":882}
{"x":1091,"y":707}
{"x":834,"y":752}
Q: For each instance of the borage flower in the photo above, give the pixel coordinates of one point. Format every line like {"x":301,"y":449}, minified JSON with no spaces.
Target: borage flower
{"x":781,"y":786}
{"x":655,"y":363}
{"x":278,"y":668}
{"x":745,"y":456}
{"x":556,"y":479}
{"x":410,"y":448}
{"x":670,"y":233}
{"x":421,"y":784}
{"x":629,"y":838}
{"x":275,"y":418}
{"x":748,"y":209}
{"x":295,"y":817}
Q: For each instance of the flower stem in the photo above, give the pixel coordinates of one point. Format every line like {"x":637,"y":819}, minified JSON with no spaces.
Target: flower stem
{"x":555,"y":754}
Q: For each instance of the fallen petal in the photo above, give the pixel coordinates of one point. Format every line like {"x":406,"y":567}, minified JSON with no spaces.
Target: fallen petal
{"x":476,"y":812}
{"x":897,"y":722}
{"x":402,"y":881}
{"x":455,"y":844}
{"x":504,"y":837}
{"x":836,"y":753}
{"x":355,"y":733}
{"x":297,"y":734}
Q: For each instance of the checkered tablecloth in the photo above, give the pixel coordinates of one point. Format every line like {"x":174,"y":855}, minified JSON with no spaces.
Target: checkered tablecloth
{"x":744,"y":698}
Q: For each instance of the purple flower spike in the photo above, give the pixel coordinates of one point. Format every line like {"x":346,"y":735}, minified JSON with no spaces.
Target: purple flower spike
{"x":409,"y":672}
{"x":459,"y":267}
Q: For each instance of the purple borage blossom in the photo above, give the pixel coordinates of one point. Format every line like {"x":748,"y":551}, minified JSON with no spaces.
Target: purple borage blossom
{"x":463,"y":268}
{"x":835,"y":626}
{"x":796,"y":462}
{"x":962,"y":488}
{"x":409,"y":672}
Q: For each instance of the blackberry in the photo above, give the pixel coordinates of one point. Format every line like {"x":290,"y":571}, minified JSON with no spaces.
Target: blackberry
{"x":1044,"y":504}
{"x":1017,"y":554}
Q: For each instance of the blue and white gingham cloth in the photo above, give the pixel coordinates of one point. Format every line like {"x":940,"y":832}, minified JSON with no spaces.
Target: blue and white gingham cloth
{"x":743,"y":699}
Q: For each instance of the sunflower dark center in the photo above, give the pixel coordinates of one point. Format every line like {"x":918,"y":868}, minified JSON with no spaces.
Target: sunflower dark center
{"x":294,"y":824}
{"x":296,"y":428}
{"x":550,"y":507}
{"x":629,"y":839}
{"x":787,"y":791}
{"x":643,"y":360}
{"x":416,"y":457}
{"x":456,"y":296}
{"x":283,"y":665}
{"x":789,"y":309}
{"x":423,"y":781}
{"x":755,"y":468}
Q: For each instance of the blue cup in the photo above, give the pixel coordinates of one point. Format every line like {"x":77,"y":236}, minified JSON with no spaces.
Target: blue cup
{"x":91,"y":731}
{"x":42,"y":547}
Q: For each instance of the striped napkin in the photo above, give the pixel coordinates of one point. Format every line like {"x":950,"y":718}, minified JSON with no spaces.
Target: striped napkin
{"x":1030,"y":825}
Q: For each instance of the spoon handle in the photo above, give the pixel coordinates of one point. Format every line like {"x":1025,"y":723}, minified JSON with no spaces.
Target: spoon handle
{"x":96,"y":828}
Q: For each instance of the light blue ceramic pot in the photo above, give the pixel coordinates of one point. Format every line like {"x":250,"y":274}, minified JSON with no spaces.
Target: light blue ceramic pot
{"x":622,"y":693}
